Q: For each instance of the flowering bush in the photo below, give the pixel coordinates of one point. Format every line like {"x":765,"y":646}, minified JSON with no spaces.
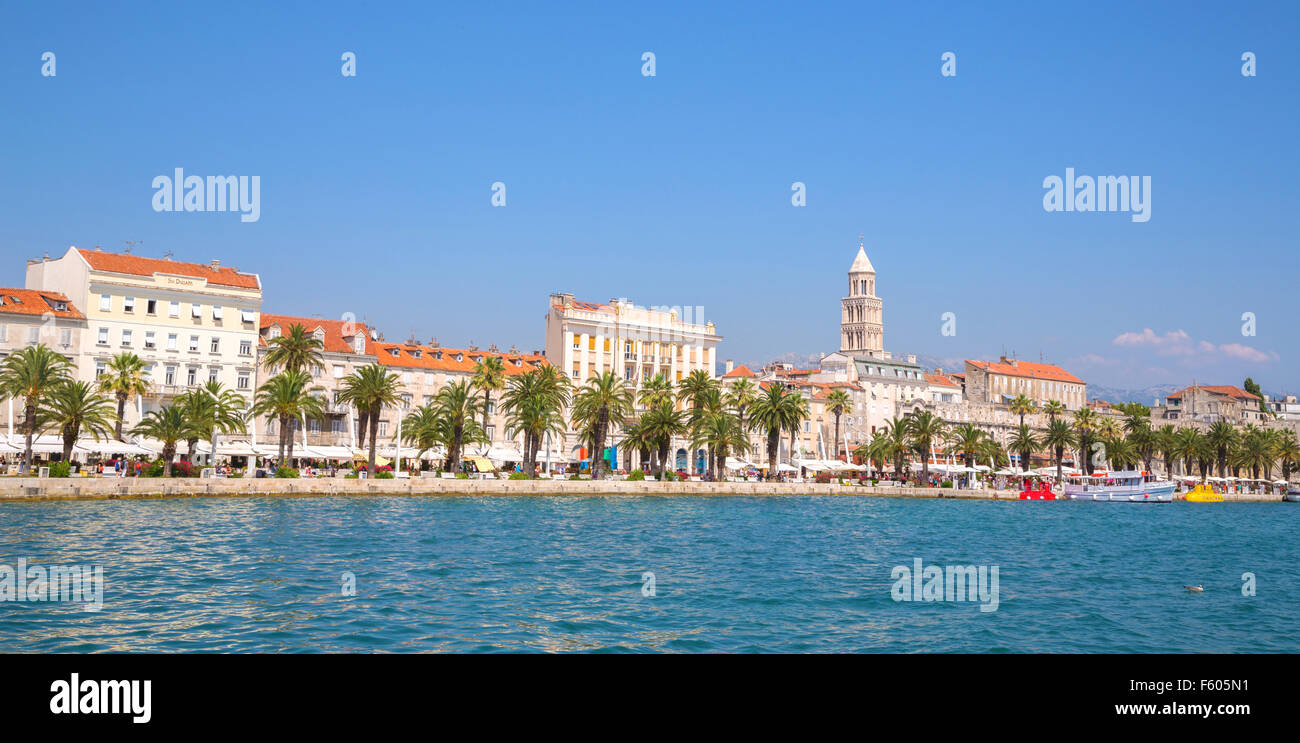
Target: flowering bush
{"x":822,"y":477}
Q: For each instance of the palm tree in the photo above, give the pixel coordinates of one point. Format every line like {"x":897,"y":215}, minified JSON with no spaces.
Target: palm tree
{"x":800,"y":403}
{"x":287,"y":397}
{"x":214,"y":409}
{"x":295,"y":351}
{"x":1059,"y":437}
{"x":1053,"y":408}
{"x":168,"y":425}
{"x":839,"y":403}
{"x":1023,"y":442}
{"x":601,"y":403}
{"x":777,"y":408}
{"x":1085,"y":426}
{"x":424,"y":428}
{"x":489,"y":376}
{"x":656,"y":391}
{"x":534,"y":404}
{"x":459,"y":406}
{"x":662,"y":423}
{"x":1165,"y":445}
{"x":1205,"y":455}
{"x":32,"y":373}
{"x":1143,"y":439}
{"x":925,"y":428}
{"x":695,"y":387}
{"x":1222,"y":436}
{"x":1122,"y":453}
{"x":720,"y":432}
{"x":1021,"y":405}
{"x":1186,"y":445}
{"x":74,"y":407}
{"x":965,"y":439}
{"x":1136,"y":415}
{"x":740,"y":396}
{"x":1288,"y":453}
{"x":125,"y":376}
{"x":896,"y":443}
{"x":369,"y":389}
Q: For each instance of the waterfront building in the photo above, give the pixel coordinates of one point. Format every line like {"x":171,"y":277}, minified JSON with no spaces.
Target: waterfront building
{"x":585,"y":339}
{"x":862,"y":323}
{"x":1211,"y":403}
{"x":29,"y":317}
{"x":999,"y":382}
{"x":1286,"y":408}
{"x":191,"y":323}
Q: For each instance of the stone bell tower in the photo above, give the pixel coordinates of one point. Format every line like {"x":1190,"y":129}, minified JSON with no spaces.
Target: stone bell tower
{"x":862,"y":328}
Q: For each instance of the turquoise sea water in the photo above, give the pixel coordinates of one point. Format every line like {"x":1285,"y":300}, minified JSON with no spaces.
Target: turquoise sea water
{"x":793,"y":574}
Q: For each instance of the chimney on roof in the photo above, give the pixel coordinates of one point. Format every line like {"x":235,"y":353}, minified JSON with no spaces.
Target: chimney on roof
{"x":434,"y":343}
{"x":938,"y":370}
{"x":730,"y":365}
{"x":492,"y":348}
{"x":216,"y":264}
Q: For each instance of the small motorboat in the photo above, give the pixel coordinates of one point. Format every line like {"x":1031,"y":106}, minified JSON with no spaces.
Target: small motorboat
{"x":1203,"y":494}
{"x":1292,"y":494}
{"x":1044,"y":492}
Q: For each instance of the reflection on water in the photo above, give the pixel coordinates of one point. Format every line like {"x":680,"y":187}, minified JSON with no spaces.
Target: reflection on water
{"x":539,"y":574}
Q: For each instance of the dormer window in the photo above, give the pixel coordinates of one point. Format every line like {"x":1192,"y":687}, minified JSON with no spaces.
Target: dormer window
{"x":460,"y":357}
{"x":275,"y":331}
{"x":416,"y":353}
{"x":438,"y":355}
{"x":396,"y":353}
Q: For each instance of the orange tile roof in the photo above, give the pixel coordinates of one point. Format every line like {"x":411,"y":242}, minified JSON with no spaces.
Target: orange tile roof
{"x":1029,"y":369}
{"x":740,"y":371}
{"x":36,"y":302}
{"x":1218,"y":389}
{"x":428,"y":358}
{"x":334,"y":331}
{"x":136,"y":265}
{"x":940,"y":379}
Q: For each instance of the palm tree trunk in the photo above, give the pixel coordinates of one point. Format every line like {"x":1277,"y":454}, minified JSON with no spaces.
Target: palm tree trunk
{"x":69,"y":438}
{"x":284,"y":427}
{"x":487,"y":400}
{"x":773,"y":441}
{"x":363,"y":419}
{"x":121,"y":411}
{"x":169,"y":451}
{"x":836,"y":454}
{"x":289,"y":447}
{"x":373,"y":418}
{"x":29,"y":427}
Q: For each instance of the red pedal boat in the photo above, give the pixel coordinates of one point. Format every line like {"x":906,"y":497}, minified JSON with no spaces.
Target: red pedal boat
{"x":1044,"y":492}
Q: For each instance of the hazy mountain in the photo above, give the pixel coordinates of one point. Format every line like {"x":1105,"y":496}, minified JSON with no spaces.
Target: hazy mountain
{"x":1144,"y":395}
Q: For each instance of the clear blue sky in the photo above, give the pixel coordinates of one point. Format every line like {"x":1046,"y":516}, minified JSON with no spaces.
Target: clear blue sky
{"x":676,"y":189}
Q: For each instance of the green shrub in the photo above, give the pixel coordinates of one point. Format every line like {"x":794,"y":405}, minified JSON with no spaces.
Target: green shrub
{"x":383,"y":475}
{"x":637,"y":475}
{"x":668,"y":476}
{"x":462,"y":476}
{"x":518,"y":476}
{"x":286,"y":472}
{"x":350,"y":476}
{"x":946,"y":484}
{"x":60,"y":469}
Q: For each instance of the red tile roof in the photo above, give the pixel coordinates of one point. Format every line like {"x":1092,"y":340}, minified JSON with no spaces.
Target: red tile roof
{"x":335,"y":335}
{"x":1218,"y":389}
{"x":36,"y":302}
{"x":1029,"y":369}
{"x":428,"y":358}
{"x":740,"y":371}
{"x":940,"y":379}
{"x":136,"y":265}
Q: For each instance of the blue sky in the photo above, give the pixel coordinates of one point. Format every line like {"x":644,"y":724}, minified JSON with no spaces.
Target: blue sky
{"x":675,"y":189}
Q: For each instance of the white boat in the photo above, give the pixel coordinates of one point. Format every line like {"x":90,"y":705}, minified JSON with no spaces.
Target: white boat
{"x":1120,"y":487}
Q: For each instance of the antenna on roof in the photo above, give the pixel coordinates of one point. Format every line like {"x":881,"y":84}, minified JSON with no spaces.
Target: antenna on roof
{"x":131,"y":244}
{"x":167,"y":256}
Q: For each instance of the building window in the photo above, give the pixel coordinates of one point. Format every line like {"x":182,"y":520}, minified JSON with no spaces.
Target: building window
{"x":246,"y":315}
{"x":99,"y":369}
{"x":103,"y":337}
{"x":4,"y":333}
{"x":406,"y":377}
{"x":428,"y":378}
{"x":196,"y":311}
{"x":491,"y":433}
{"x":338,"y":371}
{"x":242,"y":381}
{"x":191,"y":376}
{"x":34,"y":334}
{"x":213,"y":373}
{"x":128,"y":304}
{"x":171,"y":376}
{"x":216,"y":345}
{"x":217,"y":313}
{"x":151,"y":306}
{"x":406,"y":402}
{"x":171,"y":341}
{"x":194,"y":343}
{"x":245,"y":348}
{"x":126,"y":337}
{"x":149,"y":340}
{"x":105,"y":302}
{"x":383,"y":428}
{"x":174,"y":309}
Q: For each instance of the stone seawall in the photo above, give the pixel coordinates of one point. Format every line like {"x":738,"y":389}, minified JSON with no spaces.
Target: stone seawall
{"x":146,"y":487}
{"x":49,"y":488}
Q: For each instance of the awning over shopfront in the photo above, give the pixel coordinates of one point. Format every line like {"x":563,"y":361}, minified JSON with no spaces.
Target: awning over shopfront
{"x":482,"y":464}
